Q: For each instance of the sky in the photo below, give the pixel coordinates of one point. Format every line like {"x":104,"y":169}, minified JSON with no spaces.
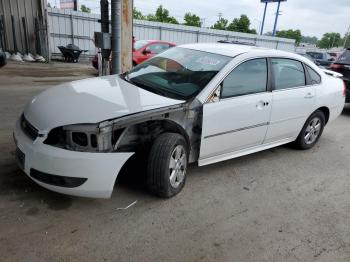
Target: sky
{"x":312,"y":17}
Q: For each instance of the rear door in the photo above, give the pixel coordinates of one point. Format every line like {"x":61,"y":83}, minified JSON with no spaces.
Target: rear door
{"x":239,"y":119}
{"x":293,"y":99}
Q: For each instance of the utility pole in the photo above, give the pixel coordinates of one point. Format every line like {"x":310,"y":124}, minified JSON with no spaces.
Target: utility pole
{"x":346,"y":37}
{"x":116,"y":8}
{"x":105,"y":53}
{"x":333,"y":41}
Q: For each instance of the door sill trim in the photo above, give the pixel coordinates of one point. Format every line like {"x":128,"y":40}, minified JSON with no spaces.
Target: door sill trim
{"x":242,"y":152}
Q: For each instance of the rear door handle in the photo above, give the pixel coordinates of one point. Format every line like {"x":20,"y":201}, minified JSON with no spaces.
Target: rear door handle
{"x":308,"y":95}
{"x":262,"y":104}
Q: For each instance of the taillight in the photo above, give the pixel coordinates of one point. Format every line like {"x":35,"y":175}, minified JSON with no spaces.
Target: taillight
{"x":336,"y":66}
{"x":344,"y":90}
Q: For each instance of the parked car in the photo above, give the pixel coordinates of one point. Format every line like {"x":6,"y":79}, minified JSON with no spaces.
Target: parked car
{"x":198,"y":103}
{"x":335,"y":54}
{"x":143,"y":50}
{"x":322,"y":58}
{"x":310,"y":58}
{"x":2,"y":59}
{"x":342,"y":65}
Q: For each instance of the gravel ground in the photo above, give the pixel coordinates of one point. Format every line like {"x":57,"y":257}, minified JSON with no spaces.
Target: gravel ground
{"x":277,"y":205}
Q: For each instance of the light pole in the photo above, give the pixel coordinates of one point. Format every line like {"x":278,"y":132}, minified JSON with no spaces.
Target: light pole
{"x":263,"y":21}
{"x":276,"y":18}
{"x":277,"y":14}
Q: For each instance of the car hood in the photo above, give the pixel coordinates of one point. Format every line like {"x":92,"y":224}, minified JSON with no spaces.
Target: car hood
{"x":91,"y":101}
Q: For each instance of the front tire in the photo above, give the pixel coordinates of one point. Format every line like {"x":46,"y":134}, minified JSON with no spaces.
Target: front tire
{"x":311,"y":132}
{"x":167,"y":165}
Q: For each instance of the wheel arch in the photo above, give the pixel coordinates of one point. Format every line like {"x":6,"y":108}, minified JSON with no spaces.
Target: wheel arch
{"x":325,"y":111}
{"x":146,"y":132}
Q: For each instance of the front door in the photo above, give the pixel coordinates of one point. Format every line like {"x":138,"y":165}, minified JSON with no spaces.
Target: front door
{"x":240,"y":118}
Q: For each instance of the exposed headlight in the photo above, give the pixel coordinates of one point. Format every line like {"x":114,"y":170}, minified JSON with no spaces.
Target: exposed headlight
{"x":84,"y":137}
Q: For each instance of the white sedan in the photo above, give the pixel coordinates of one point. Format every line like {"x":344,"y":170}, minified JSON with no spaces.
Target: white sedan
{"x":200,"y":103}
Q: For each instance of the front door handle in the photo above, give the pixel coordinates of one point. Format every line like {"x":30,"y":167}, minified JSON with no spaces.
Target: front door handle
{"x":309,"y":95}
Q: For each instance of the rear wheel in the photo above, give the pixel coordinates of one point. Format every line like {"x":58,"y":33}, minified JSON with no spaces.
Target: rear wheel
{"x":311,"y":132}
{"x":167,"y":165}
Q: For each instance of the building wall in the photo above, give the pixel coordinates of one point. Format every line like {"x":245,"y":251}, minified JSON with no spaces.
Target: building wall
{"x":67,"y":26}
{"x":30,"y":9}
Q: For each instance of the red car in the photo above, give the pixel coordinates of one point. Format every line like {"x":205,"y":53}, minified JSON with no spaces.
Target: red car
{"x":143,"y":50}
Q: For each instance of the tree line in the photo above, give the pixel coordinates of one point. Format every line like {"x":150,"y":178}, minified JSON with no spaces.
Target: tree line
{"x":241,"y":24}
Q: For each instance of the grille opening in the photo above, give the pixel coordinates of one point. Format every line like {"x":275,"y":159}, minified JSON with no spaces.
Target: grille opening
{"x":80,"y":138}
{"x":56,"y":137}
{"x":93,"y":140}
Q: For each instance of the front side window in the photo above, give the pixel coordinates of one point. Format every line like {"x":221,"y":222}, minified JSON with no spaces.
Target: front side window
{"x":248,"y":78}
{"x":315,"y":78}
{"x":287,"y":73}
{"x":178,"y":72}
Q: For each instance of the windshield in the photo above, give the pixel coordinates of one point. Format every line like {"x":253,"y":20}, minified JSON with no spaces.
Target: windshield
{"x":140,"y":43}
{"x":178,"y":73}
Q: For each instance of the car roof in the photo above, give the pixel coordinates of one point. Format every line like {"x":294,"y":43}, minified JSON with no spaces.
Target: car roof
{"x":233,"y":50}
{"x":158,"y":41}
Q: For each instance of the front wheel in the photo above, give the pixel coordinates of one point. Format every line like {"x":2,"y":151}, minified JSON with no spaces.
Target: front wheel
{"x":167,"y":165}
{"x":311,"y":132}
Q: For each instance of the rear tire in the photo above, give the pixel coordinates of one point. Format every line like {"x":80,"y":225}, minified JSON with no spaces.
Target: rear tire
{"x":167,"y":165}
{"x":311,"y":132}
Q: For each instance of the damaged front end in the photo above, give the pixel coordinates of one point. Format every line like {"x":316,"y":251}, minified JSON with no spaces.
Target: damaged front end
{"x":132,"y":133}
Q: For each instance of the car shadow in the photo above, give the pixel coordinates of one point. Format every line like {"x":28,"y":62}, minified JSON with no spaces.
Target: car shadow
{"x":16,"y":186}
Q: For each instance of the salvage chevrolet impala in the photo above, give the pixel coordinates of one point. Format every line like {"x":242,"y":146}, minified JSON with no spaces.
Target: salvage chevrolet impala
{"x":197,"y":103}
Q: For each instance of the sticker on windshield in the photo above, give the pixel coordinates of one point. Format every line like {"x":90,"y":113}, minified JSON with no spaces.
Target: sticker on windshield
{"x":206,"y":60}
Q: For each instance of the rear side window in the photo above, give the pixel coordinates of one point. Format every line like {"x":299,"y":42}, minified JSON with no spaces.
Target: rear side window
{"x":315,"y":55}
{"x":287,"y":73}
{"x":344,"y":58}
{"x":248,"y":78}
{"x":315,"y":78}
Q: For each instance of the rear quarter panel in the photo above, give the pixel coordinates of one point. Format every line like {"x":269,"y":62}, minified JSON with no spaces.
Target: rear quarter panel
{"x":330,"y":94}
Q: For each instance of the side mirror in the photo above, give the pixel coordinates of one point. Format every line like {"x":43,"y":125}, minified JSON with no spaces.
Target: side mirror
{"x":147,"y":51}
{"x":332,"y":59}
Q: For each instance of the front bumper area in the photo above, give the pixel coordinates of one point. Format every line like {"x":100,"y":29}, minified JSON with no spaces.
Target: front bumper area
{"x":96,"y":172}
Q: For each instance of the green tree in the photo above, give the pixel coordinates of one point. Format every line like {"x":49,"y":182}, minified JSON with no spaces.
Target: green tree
{"x":313,"y":40}
{"x":291,"y":34}
{"x":162,"y":15}
{"x":241,"y":24}
{"x":192,"y":20}
{"x":138,"y":15}
{"x":221,"y":24}
{"x":330,"y":40}
{"x":85,"y":9}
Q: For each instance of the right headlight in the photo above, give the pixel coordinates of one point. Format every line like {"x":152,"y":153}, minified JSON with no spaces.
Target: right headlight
{"x":84,"y":137}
